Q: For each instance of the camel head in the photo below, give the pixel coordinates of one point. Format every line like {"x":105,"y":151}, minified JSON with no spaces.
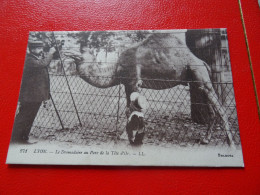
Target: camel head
{"x":83,"y":58}
{"x":135,"y":127}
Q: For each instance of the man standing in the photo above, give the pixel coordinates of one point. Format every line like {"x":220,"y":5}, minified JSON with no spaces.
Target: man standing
{"x":35,"y":89}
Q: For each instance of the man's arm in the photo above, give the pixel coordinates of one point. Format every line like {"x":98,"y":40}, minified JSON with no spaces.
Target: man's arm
{"x":35,"y":63}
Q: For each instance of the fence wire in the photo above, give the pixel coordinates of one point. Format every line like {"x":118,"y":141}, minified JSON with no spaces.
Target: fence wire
{"x":102,"y":114}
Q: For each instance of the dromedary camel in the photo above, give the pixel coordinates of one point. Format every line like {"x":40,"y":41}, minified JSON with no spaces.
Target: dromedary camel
{"x":160,"y":56}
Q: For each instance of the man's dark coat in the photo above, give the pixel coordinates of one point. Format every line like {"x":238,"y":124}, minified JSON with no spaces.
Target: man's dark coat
{"x":35,"y":83}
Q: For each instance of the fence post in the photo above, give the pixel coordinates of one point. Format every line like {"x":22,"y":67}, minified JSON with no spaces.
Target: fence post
{"x":57,"y":112}
{"x":67,"y":80}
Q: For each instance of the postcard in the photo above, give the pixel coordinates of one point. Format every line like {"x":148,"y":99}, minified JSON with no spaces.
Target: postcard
{"x":127,"y":98}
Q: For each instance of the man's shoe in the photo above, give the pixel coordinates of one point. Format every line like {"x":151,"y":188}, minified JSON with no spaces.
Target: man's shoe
{"x":28,"y":141}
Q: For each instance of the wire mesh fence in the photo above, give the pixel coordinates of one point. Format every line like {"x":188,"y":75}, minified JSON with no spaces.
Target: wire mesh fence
{"x":98,"y":115}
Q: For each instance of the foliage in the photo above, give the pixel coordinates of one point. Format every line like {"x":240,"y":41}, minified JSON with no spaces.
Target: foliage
{"x":106,"y":40}
{"x":96,"y":40}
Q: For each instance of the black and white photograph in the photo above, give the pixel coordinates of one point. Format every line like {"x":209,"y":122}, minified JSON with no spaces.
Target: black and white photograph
{"x":128,"y":97}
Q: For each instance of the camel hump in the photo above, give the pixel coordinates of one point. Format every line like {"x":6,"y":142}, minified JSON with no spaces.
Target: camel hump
{"x":163,"y":39}
{"x":162,"y":51}
{"x":126,"y":61}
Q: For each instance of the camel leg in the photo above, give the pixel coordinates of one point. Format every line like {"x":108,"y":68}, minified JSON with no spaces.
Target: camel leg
{"x":133,"y":83}
{"x":218,"y":108}
{"x":135,"y":121}
{"x":203,"y":81}
{"x":207,"y":138}
{"x":128,"y":92}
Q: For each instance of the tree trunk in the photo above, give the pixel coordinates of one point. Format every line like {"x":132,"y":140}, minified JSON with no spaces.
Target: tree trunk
{"x":200,"y":112}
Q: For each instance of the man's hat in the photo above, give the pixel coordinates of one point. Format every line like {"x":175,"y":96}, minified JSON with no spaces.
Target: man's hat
{"x":34,"y":43}
{"x":139,"y":100}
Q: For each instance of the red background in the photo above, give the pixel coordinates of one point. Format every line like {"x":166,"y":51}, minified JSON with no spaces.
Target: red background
{"x":19,"y":17}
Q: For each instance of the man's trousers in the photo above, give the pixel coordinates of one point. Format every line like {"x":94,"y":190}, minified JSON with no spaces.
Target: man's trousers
{"x":24,"y":120}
